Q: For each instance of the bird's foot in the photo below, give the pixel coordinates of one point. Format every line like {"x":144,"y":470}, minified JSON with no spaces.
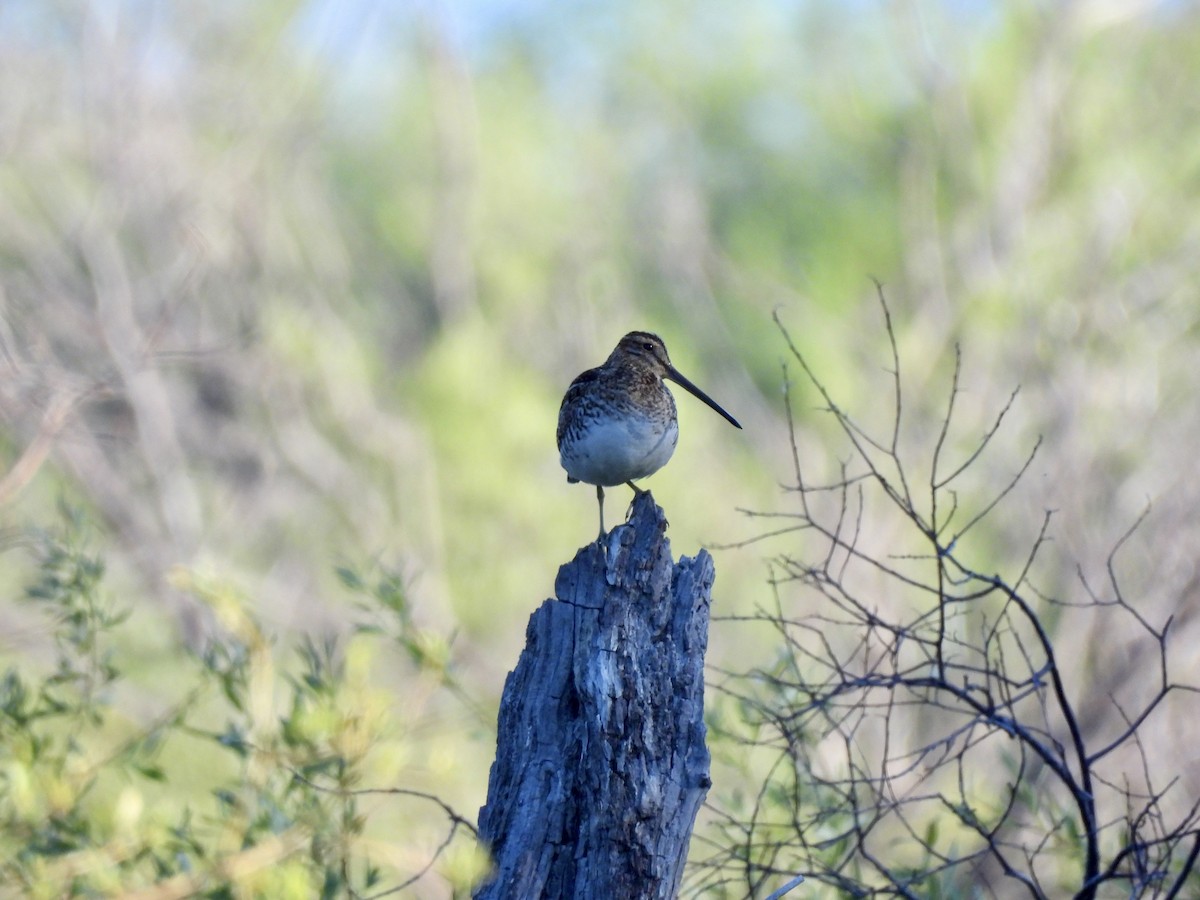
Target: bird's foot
{"x":637,"y":492}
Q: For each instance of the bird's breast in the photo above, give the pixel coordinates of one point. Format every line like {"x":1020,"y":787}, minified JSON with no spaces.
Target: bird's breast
{"x":608,"y":451}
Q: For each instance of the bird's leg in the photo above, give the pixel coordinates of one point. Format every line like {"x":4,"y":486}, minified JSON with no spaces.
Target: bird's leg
{"x":600,"y":500}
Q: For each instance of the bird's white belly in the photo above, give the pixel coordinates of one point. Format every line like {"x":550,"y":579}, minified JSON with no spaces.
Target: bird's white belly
{"x":612,"y":452}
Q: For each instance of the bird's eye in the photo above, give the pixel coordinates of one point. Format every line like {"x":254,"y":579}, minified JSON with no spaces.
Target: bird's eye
{"x":647,"y":346}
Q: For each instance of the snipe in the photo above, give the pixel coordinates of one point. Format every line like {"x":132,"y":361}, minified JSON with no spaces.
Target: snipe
{"x":617,"y":422}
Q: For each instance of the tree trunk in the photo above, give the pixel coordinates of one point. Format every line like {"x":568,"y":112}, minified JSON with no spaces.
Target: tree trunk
{"x":601,"y":764}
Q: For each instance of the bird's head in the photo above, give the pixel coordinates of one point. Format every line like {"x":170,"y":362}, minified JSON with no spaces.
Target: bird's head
{"x":646,"y":350}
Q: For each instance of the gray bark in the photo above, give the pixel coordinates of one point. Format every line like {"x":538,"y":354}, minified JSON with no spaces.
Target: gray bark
{"x":601,"y":764}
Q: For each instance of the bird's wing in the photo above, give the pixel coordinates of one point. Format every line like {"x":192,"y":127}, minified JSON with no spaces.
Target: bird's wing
{"x":569,"y":405}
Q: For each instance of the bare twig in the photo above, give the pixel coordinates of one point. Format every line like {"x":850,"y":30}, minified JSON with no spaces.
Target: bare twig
{"x":920,"y":728}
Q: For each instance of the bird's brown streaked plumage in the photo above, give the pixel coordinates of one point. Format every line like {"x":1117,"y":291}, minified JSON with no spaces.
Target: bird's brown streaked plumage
{"x":618,"y":422}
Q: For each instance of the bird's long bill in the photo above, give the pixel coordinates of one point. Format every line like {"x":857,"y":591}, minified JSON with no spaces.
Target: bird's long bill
{"x":696,"y":392}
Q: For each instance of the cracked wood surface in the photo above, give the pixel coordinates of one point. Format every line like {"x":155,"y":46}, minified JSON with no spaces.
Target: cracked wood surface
{"x":601,"y":763}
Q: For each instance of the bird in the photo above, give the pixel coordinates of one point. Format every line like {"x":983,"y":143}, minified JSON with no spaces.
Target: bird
{"x":618,"y":422}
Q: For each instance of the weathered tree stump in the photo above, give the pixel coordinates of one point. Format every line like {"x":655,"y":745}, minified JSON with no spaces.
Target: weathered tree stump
{"x":601,"y":764}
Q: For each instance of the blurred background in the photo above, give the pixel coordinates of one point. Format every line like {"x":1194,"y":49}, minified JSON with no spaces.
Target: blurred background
{"x":287,"y":286}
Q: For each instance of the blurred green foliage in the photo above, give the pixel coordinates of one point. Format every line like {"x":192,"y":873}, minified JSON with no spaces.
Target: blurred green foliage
{"x":293,"y":756}
{"x":310,"y":279}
